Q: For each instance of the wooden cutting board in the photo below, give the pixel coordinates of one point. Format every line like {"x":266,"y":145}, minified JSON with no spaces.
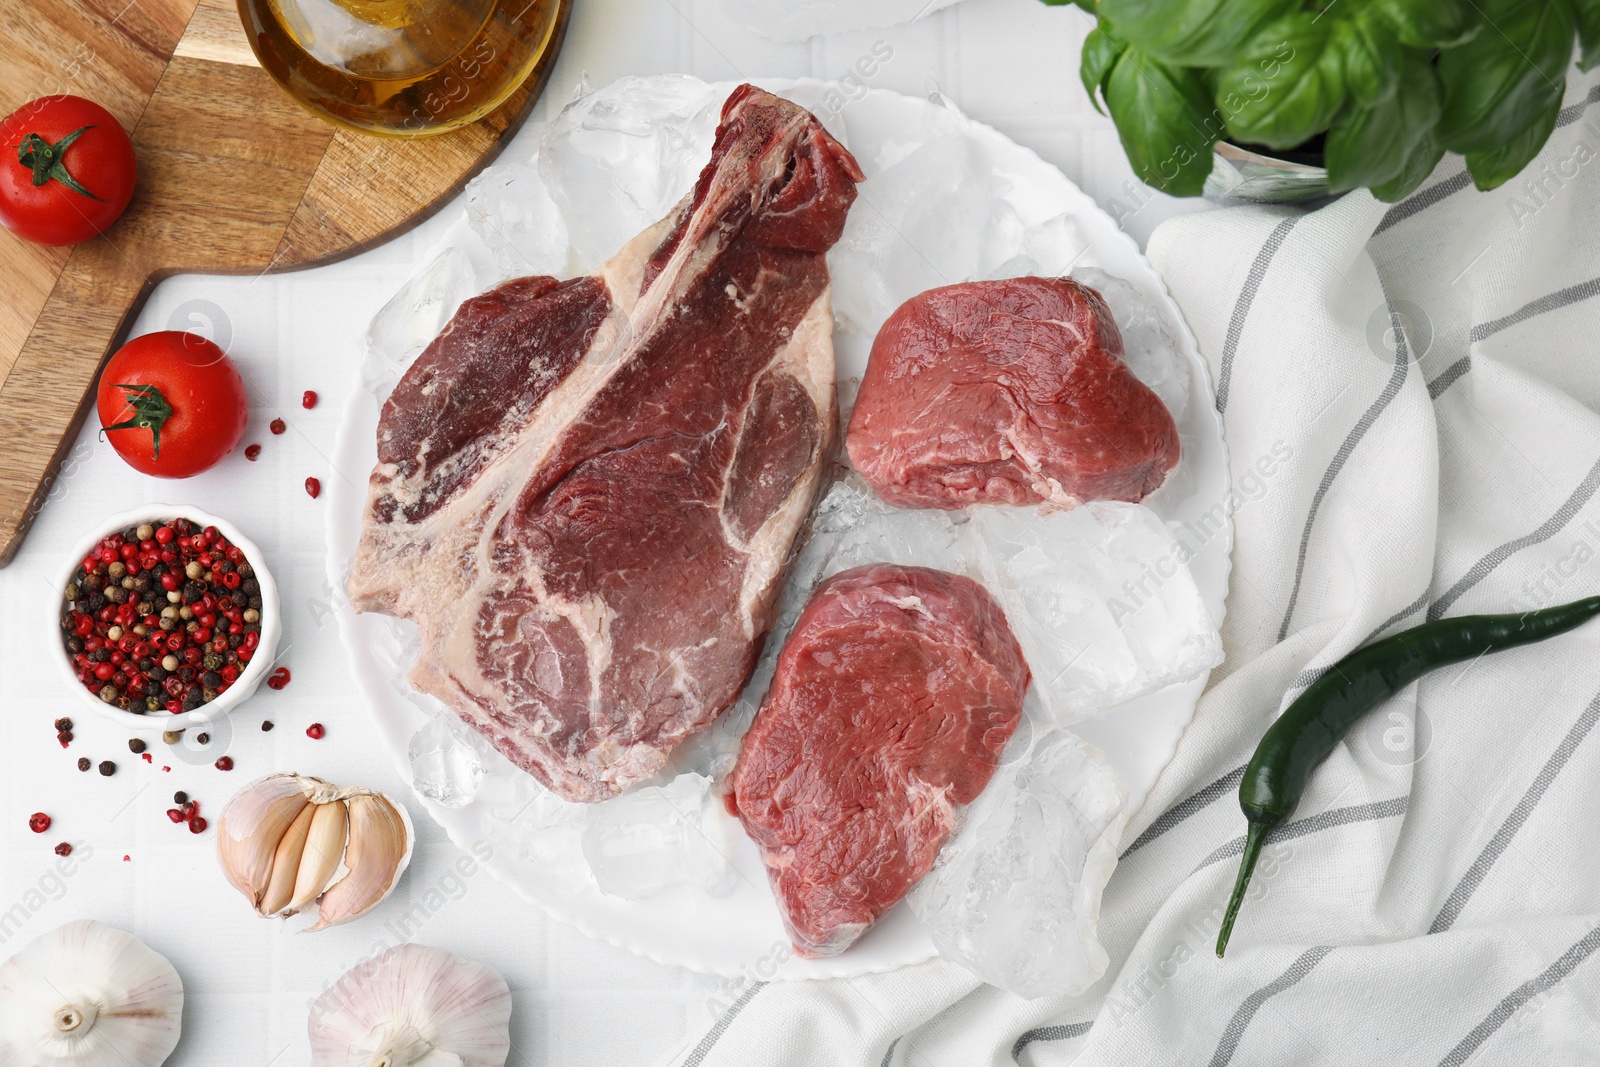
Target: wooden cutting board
{"x":234,"y":178}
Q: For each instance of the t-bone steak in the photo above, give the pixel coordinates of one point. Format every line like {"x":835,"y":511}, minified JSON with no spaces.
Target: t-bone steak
{"x":1007,"y":392}
{"x":587,"y":491}
{"x":893,"y":698}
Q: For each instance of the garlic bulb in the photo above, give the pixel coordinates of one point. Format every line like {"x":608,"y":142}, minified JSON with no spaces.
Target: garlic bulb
{"x":88,"y":995}
{"x":285,"y":839}
{"x":413,"y":1006}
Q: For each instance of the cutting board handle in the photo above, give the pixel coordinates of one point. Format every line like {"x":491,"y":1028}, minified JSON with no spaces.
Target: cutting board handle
{"x":86,"y":317}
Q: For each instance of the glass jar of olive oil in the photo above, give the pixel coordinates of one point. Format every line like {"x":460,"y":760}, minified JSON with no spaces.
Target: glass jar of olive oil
{"x":405,"y":68}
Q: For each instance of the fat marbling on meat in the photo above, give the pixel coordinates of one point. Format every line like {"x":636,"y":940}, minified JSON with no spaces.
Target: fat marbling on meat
{"x":587,"y":491}
{"x":893,"y":699}
{"x":1007,"y":392}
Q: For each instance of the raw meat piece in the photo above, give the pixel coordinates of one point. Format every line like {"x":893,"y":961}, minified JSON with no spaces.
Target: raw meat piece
{"x":893,"y":699}
{"x":1007,"y":392}
{"x":586,"y":490}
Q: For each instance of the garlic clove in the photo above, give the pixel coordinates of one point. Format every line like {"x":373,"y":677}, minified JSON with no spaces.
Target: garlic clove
{"x":285,"y":838}
{"x":325,"y":848}
{"x":286,"y":863}
{"x":252,"y":824}
{"x":88,"y":995}
{"x":377,"y":854}
{"x":413,"y":1006}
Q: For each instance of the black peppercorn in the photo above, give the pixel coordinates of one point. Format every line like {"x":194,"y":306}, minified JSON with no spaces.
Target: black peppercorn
{"x":135,"y":745}
{"x":180,"y":798}
{"x":83,"y":763}
{"x":107,"y":768}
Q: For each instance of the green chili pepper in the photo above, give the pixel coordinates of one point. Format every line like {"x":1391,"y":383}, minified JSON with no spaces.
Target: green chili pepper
{"x":1310,"y":727}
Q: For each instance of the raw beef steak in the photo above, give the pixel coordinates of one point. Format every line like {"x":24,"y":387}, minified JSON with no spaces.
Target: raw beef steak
{"x":1007,"y":392}
{"x":586,"y":491}
{"x":893,"y":698}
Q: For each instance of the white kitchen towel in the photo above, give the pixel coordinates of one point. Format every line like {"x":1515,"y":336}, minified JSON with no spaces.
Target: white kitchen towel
{"x":1412,"y":404}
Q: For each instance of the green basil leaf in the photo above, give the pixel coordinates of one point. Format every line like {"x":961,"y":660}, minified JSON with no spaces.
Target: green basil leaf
{"x":1373,"y":145}
{"x":1420,"y":162}
{"x":1502,"y":82}
{"x":1493,"y":169}
{"x":1163,"y":114}
{"x":1588,"y":12}
{"x":1193,"y":33}
{"x":1284,"y":86}
{"x":1101,"y":50}
{"x":1371,"y":54}
{"x":1432,"y":23}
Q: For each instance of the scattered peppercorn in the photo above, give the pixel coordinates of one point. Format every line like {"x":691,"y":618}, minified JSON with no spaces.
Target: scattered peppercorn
{"x":225,"y":763}
{"x":83,"y":763}
{"x":135,"y":745}
{"x":266,"y":726}
{"x":277,"y":426}
{"x":39,"y":822}
{"x":251,"y":452}
{"x":64,"y":737}
{"x":171,"y":736}
{"x":197,"y":825}
{"x":280,"y":678}
{"x":315,"y":731}
{"x":64,"y":723}
{"x":64,"y":849}
{"x":308,"y":399}
{"x":202,"y":739}
{"x":107,"y":768}
{"x":175,"y":815}
{"x":313,"y":488}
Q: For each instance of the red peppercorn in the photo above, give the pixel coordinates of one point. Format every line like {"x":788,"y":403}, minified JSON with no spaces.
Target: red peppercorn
{"x":277,"y":426}
{"x":308,"y":399}
{"x":64,"y":849}
{"x":251,"y":452}
{"x":224,"y":764}
{"x":279,"y":679}
{"x":175,"y":815}
{"x":39,"y":822}
{"x":315,"y":731}
{"x":313,"y":488}
{"x":197,"y":825}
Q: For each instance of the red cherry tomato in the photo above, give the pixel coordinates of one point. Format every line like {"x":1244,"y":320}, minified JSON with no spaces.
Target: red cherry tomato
{"x":66,"y":170}
{"x":172,"y":403}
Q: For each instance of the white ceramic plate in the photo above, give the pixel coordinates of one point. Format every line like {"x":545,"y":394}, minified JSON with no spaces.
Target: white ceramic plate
{"x":737,"y":932}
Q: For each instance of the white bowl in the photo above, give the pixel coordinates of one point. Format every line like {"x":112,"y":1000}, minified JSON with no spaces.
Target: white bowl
{"x":160,"y":721}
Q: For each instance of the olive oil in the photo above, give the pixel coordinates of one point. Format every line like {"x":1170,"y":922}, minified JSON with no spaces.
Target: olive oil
{"x":401,"y":67}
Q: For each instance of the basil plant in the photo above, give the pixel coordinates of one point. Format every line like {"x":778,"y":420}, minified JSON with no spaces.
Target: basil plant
{"x":1389,"y":85}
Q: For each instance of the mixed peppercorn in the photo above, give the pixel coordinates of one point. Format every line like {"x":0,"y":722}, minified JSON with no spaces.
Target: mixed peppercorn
{"x":162,"y":617}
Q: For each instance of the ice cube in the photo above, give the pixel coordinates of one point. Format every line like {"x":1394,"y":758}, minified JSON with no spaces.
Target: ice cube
{"x":793,"y":20}
{"x":511,"y":211}
{"x":854,"y":527}
{"x":413,"y":317}
{"x":1149,"y":339}
{"x":644,"y":842}
{"x":1015,"y":895}
{"x":928,"y":218}
{"x":617,"y":160}
{"x":1101,"y":600}
{"x":542,"y":831}
{"x":1046,"y":249}
{"x":448,"y":760}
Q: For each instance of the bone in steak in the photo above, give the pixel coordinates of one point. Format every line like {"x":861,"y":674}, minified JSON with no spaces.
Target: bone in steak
{"x":1007,"y":392}
{"x":893,"y":698}
{"x":586,"y":491}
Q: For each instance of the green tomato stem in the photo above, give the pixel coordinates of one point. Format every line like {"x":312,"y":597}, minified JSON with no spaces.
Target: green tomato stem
{"x":48,"y":161}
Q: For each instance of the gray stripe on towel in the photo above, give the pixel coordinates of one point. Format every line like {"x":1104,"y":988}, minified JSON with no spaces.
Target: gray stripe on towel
{"x":1065,"y":1032}
{"x":1497,"y":845}
{"x":1509,"y":1006}
{"x":1247,"y":1011}
{"x":1241,"y":307}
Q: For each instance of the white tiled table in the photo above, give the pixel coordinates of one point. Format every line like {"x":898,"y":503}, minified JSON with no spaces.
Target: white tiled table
{"x":1010,"y":63}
